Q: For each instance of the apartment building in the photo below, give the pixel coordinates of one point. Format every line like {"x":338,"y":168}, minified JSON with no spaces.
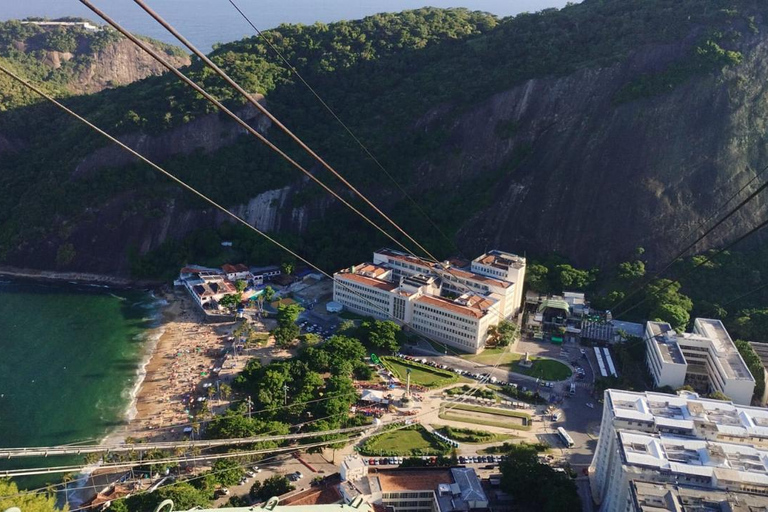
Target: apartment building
{"x":686,"y":462}
{"x":433,"y":302}
{"x":415,"y":490}
{"x":669,"y":419}
{"x":705,"y":359}
{"x":658,"y":497}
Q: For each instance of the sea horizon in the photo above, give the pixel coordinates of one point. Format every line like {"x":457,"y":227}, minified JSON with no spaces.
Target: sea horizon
{"x":206,"y":23}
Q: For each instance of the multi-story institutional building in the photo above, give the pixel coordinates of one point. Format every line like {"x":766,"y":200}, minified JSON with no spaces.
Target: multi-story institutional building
{"x":706,"y":359}
{"x":683,"y":440}
{"x":455,"y":306}
{"x":414,"y":490}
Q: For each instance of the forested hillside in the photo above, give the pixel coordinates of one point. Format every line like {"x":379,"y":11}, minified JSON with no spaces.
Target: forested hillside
{"x":71,"y":59}
{"x":589,"y":131}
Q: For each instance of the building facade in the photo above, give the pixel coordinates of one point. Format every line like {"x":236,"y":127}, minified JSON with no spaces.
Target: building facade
{"x":705,"y":359}
{"x":414,"y":490}
{"x":681,"y":439}
{"x":454,"y":307}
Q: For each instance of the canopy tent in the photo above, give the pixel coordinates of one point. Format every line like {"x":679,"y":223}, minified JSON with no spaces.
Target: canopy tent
{"x":372,"y":395}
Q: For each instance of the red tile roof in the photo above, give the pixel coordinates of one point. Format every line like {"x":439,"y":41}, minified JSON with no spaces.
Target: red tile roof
{"x":369,"y":281}
{"x":426,"y":480}
{"x":232,"y":269}
{"x":474,"y":312}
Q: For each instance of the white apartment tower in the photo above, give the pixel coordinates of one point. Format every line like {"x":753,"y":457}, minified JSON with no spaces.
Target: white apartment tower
{"x":677,"y":439}
{"x":707,"y":359}
{"x":445,"y":302}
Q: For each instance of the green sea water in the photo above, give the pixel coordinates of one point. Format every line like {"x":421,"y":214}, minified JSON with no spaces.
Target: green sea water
{"x":69,"y":362}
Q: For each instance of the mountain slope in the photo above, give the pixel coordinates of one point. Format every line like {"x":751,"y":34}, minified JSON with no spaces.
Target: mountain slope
{"x":589,"y":131}
{"x":73,"y":57}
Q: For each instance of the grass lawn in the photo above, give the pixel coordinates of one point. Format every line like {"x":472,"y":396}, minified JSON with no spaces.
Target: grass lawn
{"x":469,"y":436}
{"x":543,"y":368}
{"x":348,"y":315}
{"x":421,"y":374}
{"x":477,"y":421}
{"x":413,"y":441}
{"x":442,"y":348}
{"x":491,"y":356}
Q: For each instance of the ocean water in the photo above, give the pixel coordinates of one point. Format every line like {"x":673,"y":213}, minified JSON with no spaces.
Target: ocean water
{"x":205,"y":22}
{"x":70,"y":361}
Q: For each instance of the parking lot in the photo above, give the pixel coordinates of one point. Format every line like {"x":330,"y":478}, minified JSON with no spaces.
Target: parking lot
{"x":396,"y":461}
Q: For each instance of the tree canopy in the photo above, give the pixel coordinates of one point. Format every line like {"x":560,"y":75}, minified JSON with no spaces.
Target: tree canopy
{"x":32,"y":502}
{"x":536,"y":487}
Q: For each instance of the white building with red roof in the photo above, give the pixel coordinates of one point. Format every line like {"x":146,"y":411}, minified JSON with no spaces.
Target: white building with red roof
{"x":455,"y":306}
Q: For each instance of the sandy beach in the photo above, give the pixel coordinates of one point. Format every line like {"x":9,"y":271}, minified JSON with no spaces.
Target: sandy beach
{"x":183,"y":361}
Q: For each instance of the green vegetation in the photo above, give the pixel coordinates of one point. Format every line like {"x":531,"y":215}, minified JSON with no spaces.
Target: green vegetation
{"x":502,"y":334}
{"x":542,"y":368}
{"x":421,"y":374}
{"x":755,"y":365}
{"x":493,"y":356}
{"x":469,"y":436}
{"x":185,"y":495}
{"x":554,"y":274}
{"x":507,"y":447}
{"x":478,"y":392}
{"x":413,"y":440}
{"x":276,"y":485}
{"x":708,"y":56}
{"x":422,"y":59}
{"x":384,"y":336}
{"x":516,"y":393}
{"x":287,"y":330}
{"x":24,"y":47}
{"x":33,"y":502}
{"x":534,"y":486}
{"x":287,"y":392}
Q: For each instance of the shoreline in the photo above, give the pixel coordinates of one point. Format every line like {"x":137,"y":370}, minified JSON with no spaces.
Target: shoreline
{"x":180,"y":354}
{"x":79,"y":278}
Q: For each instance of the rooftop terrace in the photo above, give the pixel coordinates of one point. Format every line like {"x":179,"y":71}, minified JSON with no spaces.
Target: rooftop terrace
{"x":725,"y":417}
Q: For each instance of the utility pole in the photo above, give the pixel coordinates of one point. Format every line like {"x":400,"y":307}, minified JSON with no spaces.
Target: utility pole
{"x":250,"y":406}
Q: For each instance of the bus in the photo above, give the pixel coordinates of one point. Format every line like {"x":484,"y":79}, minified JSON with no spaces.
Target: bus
{"x":564,"y":437}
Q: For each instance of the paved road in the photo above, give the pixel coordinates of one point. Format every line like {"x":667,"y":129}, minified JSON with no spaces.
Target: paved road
{"x":580,"y":421}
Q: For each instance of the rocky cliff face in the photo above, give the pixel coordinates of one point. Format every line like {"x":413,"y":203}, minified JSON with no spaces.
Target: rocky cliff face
{"x":118,"y":64}
{"x":593,"y":179}
{"x":568,"y":164}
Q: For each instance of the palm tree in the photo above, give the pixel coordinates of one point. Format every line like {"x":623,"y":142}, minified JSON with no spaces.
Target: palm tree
{"x":225,"y":390}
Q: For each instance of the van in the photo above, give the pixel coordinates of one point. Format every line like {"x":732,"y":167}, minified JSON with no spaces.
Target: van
{"x":573,"y":388}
